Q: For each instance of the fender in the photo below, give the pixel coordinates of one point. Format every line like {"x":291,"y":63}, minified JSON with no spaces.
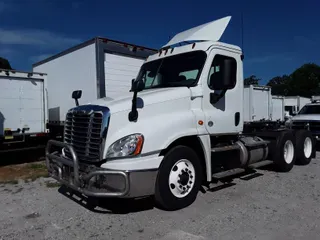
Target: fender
{"x":206,"y":146}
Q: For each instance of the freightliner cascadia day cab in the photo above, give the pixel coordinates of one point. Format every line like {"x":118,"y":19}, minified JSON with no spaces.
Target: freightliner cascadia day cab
{"x":180,"y":128}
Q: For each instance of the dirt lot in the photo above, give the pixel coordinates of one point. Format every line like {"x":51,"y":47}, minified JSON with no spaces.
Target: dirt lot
{"x":270,"y":206}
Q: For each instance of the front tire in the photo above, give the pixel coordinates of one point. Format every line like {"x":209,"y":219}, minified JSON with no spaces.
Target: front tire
{"x":179,"y":179}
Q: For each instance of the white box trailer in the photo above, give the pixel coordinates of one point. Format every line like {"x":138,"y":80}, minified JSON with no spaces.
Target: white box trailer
{"x":293,"y":104}
{"x":278,"y":113}
{"x":99,"y":67}
{"x":23,"y":110}
{"x":260,"y":105}
{"x":257,"y":103}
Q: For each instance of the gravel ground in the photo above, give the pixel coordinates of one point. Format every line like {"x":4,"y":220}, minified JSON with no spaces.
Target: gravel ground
{"x":270,"y":206}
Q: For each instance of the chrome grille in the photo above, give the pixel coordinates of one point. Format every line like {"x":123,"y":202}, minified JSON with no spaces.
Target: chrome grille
{"x":82,"y":131}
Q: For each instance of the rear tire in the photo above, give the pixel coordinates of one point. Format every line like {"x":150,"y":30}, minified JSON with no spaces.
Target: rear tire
{"x":284,"y":155}
{"x":304,"y":147}
{"x":179,"y":179}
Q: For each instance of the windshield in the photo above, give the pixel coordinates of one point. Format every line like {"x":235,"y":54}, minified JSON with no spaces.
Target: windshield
{"x":174,"y":71}
{"x":310,"y":109}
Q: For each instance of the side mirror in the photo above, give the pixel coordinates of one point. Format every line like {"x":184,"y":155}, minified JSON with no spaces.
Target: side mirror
{"x":77,"y":95}
{"x":225,"y":78}
{"x":137,"y":85}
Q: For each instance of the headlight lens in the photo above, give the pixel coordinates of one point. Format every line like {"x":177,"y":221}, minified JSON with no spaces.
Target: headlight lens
{"x":128,"y":146}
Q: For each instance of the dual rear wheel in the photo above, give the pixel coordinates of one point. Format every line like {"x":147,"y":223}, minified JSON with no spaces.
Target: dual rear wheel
{"x":290,"y":149}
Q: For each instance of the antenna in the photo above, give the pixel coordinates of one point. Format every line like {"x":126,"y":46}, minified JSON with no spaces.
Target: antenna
{"x":242,"y":39}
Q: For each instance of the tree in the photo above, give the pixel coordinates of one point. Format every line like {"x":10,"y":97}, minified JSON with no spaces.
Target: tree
{"x":4,"y":64}
{"x":252,"y":80}
{"x":305,"y":81}
{"x":280,"y":85}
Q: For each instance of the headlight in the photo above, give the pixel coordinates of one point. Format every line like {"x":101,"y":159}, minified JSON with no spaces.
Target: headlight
{"x":128,"y":146}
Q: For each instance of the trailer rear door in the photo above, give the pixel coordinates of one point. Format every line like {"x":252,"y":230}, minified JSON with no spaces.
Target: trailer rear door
{"x":22,"y":104}
{"x":119,"y":71}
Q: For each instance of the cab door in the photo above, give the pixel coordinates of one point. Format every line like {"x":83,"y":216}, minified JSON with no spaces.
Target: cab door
{"x":223,"y":92}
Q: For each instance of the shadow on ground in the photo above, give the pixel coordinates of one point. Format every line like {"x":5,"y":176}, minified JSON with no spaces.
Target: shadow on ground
{"x":124,"y":206}
{"x":24,"y":156}
{"x":109,"y":205}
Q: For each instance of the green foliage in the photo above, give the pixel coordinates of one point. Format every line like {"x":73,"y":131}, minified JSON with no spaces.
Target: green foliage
{"x":304,"y":81}
{"x":4,"y":64}
{"x":280,"y":85}
{"x":252,"y":80}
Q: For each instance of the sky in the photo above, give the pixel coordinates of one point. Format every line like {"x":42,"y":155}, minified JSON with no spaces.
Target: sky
{"x":278,"y":36}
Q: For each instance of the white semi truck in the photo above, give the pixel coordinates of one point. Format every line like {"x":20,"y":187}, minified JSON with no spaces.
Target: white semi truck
{"x":180,"y":128}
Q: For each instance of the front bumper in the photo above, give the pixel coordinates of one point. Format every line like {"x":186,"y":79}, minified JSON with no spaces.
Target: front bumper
{"x":96,"y":181}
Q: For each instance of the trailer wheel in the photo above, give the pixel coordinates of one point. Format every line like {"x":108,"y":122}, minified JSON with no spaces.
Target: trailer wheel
{"x":179,"y":179}
{"x":284,"y":155}
{"x":304,"y":146}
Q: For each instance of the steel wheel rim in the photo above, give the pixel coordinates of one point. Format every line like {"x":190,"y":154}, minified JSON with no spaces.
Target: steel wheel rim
{"x":307,"y":147}
{"x":181,"y":178}
{"x":288,"y":151}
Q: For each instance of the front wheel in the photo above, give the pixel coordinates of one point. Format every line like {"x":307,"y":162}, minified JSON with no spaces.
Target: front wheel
{"x":179,"y":179}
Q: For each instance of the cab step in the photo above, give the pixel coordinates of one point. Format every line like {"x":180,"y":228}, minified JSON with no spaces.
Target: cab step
{"x":260,"y":164}
{"x":236,"y":171}
{"x":228,"y":173}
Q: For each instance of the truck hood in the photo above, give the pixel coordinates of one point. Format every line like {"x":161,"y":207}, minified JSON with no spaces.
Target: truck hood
{"x":306,"y":117}
{"x":144,"y":98}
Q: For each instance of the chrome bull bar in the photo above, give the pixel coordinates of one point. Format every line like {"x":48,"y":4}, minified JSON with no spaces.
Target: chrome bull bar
{"x":78,"y":181}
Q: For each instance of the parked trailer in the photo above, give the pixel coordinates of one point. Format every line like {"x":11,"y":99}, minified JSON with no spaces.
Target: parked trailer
{"x":278,"y":111}
{"x":259,"y":105}
{"x":23,"y":110}
{"x":173,"y":135}
{"x":100,"y":67}
{"x":293,"y":104}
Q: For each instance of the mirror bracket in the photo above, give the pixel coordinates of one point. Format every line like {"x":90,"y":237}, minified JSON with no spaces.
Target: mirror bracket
{"x":136,"y":86}
{"x":76,"y":95}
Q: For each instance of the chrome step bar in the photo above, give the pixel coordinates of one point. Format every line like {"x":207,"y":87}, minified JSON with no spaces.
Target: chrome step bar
{"x":236,"y":171}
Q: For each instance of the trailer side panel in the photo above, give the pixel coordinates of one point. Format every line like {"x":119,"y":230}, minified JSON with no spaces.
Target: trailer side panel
{"x":73,"y":71}
{"x":119,"y":71}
